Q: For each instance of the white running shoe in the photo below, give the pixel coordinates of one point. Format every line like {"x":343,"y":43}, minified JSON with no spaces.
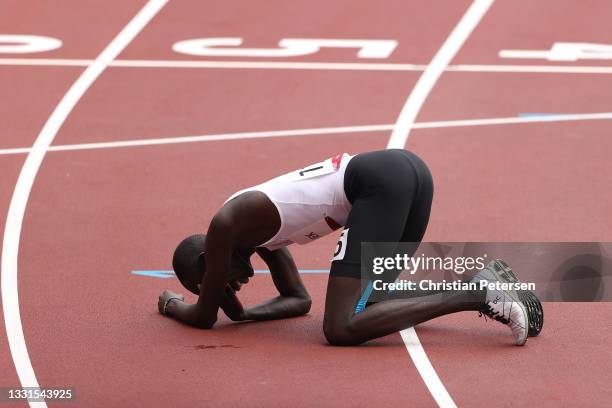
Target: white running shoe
{"x":504,"y":305}
{"x":527,"y":297}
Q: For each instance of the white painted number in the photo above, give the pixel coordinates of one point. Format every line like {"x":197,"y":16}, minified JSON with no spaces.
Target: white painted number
{"x":288,"y":47}
{"x":25,"y":44}
{"x":221,"y":46}
{"x":562,"y":51}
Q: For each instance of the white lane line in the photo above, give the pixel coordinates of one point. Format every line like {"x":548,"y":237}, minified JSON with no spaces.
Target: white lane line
{"x":317,"y":131}
{"x":426,"y":370}
{"x":19,"y":200}
{"x":210,"y":138}
{"x":340,"y":66}
{"x":398,"y":139}
{"x":435,"y":68}
{"x":533,"y":69}
{"x":45,"y":62}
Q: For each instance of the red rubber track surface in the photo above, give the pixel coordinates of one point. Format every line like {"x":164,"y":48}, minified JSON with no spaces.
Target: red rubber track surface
{"x":95,"y":215}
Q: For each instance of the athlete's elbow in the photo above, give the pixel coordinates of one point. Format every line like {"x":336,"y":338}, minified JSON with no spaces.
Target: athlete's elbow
{"x":305,"y":305}
{"x":204,"y":323}
{"x":297,"y":306}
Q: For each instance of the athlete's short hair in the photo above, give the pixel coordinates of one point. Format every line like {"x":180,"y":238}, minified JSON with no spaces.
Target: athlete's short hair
{"x":189,"y":263}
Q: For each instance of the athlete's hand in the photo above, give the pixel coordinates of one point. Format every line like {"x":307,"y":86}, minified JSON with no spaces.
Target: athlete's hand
{"x":231,"y":306}
{"x":166,"y":298}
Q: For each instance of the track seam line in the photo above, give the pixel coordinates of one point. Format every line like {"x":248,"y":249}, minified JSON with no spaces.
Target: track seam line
{"x":318,"y":131}
{"x":25,"y":181}
{"x":399,"y":136}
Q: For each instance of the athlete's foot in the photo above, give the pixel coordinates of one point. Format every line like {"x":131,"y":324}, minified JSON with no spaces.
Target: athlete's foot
{"x":527,"y":297}
{"x":504,"y":305}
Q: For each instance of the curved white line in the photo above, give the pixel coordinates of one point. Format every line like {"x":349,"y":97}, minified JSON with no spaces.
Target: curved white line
{"x":19,"y":200}
{"x":398,"y":139}
{"x":438,"y":64}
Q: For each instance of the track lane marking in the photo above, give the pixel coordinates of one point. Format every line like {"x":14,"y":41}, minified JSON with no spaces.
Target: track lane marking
{"x":169,"y":273}
{"x":333,"y":66}
{"x":432,"y":73}
{"x":398,"y":138}
{"x":318,"y":131}
{"x":23,"y":187}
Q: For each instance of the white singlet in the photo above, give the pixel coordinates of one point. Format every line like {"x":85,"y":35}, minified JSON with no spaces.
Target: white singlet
{"x":311,"y":201}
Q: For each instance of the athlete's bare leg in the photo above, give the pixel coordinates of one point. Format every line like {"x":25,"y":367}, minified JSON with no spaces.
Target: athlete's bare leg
{"x":342,"y":326}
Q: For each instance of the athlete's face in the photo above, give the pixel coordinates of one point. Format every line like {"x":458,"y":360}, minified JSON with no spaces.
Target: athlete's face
{"x":240,"y":271}
{"x":236,"y":280}
{"x":237,"y":283}
{"x":192,"y":283}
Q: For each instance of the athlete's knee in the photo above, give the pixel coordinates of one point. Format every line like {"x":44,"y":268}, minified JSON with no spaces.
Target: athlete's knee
{"x":342,"y":295}
{"x":336,"y":335}
{"x":339,"y":333}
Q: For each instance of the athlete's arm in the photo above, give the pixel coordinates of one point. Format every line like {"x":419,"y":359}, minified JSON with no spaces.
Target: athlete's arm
{"x":293,"y":299}
{"x":243,"y":222}
{"x":231,"y":306}
{"x":218,"y":250}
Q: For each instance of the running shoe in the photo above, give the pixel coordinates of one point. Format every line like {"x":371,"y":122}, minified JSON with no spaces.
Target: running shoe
{"x":504,"y":305}
{"x":529,"y":299}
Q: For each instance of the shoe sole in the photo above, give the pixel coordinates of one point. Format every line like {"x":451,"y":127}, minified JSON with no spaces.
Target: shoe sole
{"x":527,"y":297}
{"x":513,"y":295}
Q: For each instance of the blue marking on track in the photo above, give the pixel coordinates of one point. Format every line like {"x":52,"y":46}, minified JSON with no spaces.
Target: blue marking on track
{"x":155,"y":274}
{"x":166,"y":274}
{"x":315,"y":271}
{"x":540,"y":115}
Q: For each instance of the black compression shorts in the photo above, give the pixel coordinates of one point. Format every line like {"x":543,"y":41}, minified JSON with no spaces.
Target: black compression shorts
{"x":391,"y":193}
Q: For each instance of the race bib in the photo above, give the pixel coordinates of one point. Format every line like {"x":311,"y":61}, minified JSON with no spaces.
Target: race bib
{"x":341,"y":246}
{"x":319,"y":169}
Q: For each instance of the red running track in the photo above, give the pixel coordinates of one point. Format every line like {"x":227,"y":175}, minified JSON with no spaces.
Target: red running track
{"x":95,"y":215}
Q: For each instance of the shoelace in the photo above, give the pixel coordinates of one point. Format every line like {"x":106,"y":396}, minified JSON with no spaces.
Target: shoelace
{"x":487,"y":310}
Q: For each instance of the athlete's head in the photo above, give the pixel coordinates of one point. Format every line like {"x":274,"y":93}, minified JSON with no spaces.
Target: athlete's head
{"x":189,"y":264}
